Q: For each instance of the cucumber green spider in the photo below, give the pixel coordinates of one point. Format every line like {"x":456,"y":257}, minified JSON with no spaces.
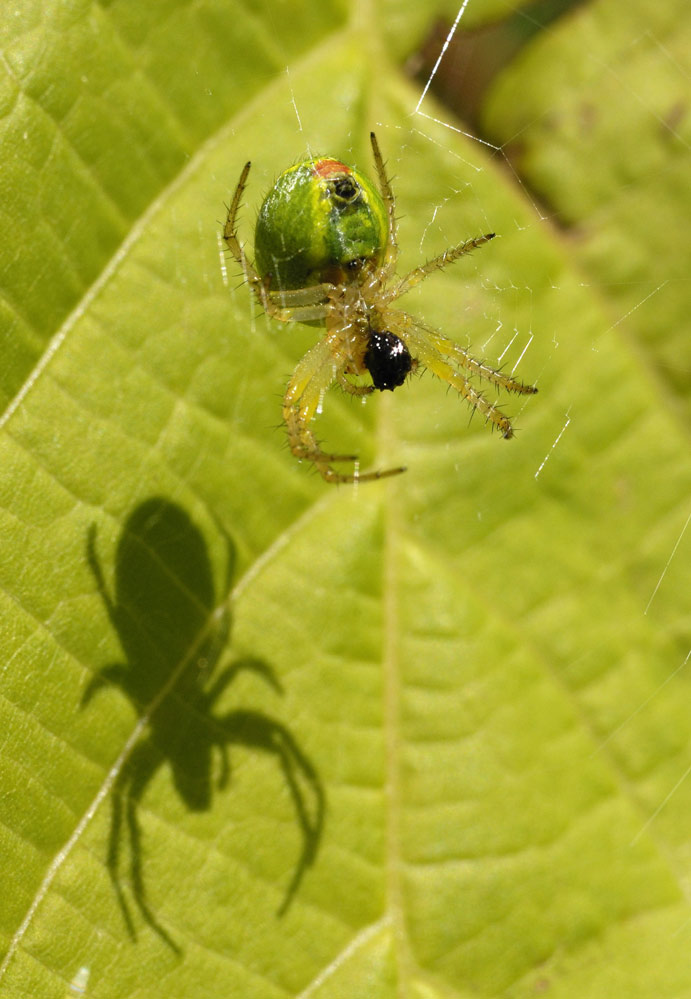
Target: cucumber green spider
{"x":325,"y":252}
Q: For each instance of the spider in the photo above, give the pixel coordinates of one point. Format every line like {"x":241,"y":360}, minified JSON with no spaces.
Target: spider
{"x":326,"y":248}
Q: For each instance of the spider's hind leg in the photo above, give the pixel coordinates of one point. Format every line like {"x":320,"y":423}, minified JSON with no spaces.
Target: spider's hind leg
{"x":230,"y":235}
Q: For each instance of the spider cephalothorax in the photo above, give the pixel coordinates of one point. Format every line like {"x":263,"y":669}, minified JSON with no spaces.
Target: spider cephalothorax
{"x":325,"y":250}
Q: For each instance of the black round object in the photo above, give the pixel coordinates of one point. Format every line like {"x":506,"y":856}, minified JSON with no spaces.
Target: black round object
{"x":388,"y":360}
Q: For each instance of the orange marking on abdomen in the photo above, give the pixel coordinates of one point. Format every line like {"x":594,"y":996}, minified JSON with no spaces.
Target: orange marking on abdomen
{"x":328,"y":167}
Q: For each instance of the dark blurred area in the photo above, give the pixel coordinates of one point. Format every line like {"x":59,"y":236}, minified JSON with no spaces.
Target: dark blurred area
{"x":475,"y":56}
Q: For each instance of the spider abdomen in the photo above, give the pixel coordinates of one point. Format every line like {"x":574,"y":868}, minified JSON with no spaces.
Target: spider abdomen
{"x":387,"y":359}
{"x":320,"y":216}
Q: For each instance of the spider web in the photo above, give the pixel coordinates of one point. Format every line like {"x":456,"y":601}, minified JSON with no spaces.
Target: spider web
{"x":640,"y":296}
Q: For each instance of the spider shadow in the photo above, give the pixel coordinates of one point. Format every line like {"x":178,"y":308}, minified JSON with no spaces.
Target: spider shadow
{"x":172,"y":635}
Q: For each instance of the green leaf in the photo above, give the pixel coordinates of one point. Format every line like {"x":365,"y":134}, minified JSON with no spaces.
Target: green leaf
{"x":265,"y":737}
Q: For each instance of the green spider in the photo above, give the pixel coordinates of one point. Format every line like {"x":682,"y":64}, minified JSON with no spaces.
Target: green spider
{"x":325,"y":252}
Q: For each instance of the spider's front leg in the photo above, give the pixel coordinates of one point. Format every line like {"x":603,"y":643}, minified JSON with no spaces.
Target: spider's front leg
{"x":351,"y":388}
{"x":303,"y":399}
{"x":438,"y":355}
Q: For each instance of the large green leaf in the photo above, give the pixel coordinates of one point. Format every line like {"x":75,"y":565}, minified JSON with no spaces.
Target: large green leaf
{"x":427,"y":737}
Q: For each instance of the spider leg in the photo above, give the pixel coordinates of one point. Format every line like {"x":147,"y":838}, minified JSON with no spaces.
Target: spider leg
{"x":312,"y":377}
{"x":430,"y":350}
{"x":461,"y":356}
{"x":301,"y":305}
{"x":352,"y":389}
{"x":436,"y":264}
{"x":304,"y":395}
{"x":273,"y":306}
{"x":230,"y":234}
{"x":298,"y":314}
{"x":389,"y":264}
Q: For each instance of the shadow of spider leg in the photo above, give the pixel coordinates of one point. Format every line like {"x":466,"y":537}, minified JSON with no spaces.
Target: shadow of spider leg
{"x":127,"y":793}
{"x":188,"y":747}
{"x":255,"y":730}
